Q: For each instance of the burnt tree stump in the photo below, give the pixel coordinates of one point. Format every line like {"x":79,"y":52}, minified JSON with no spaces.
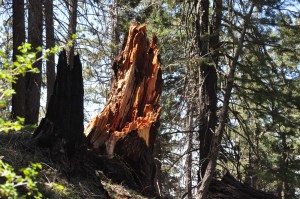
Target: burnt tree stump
{"x":128,"y":123}
{"x":63,"y":122}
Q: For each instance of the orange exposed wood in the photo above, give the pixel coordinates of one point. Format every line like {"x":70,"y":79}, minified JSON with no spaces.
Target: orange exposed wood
{"x":133,"y":102}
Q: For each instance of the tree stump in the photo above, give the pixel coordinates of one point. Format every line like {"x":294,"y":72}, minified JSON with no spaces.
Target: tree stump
{"x":128,"y":123}
{"x":63,"y":122}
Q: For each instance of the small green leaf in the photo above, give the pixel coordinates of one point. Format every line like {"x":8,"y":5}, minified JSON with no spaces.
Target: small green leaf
{"x":39,"y":48}
{"x":17,"y":64}
{"x":73,"y":36}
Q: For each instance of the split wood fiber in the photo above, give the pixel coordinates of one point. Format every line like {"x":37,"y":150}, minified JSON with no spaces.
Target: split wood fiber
{"x":133,"y":102}
{"x":128,"y":124}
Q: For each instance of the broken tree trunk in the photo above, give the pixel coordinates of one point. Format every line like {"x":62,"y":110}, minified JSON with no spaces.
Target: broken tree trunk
{"x":128,"y":123}
{"x":63,"y":122}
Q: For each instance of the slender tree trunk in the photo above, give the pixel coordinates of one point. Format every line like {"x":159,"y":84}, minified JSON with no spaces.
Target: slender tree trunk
{"x":34,"y":80}
{"x":72,"y":29}
{"x":188,"y":161}
{"x":18,"y":99}
{"x":50,"y":42}
{"x":207,"y":83}
{"x":215,"y":29}
{"x":216,"y":141}
{"x":115,"y":34}
{"x":115,"y":28}
{"x":284,"y":167}
{"x":158,"y":157}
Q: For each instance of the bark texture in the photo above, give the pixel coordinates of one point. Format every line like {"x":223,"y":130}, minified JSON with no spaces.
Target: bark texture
{"x":34,"y":80}
{"x":18,"y":99}
{"x":217,"y":138}
{"x":127,"y":126}
{"x":207,"y":82}
{"x":230,"y":188}
{"x":189,"y":157}
{"x":50,"y":43}
{"x":73,"y":4}
{"x":63,"y":123}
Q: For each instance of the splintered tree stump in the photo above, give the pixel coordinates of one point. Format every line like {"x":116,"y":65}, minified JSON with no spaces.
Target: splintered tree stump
{"x":63,"y":123}
{"x":128,"y":123}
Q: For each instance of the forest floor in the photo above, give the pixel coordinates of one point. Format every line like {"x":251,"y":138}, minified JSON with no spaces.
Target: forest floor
{"x":16,"y":150}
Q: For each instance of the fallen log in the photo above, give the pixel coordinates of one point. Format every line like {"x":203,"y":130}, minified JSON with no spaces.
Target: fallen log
{"x":63,"y":124}
{"x":127,"y":125}
{"x":230,"y":188}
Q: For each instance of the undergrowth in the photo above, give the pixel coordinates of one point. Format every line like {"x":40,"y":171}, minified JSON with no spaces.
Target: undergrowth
{"x":49,"y":177}
{"x":42,"y":177}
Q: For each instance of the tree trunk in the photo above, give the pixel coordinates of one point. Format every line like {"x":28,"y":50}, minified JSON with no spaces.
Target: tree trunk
{"x":34,"y":80}
{"x":115,"y":27}
{"x":18,"y":99}
{"x":158,"y":157}
{"x":115,"y":32}
{"x":63,"y":123}
{"x":208,"y":85}
{"x":215,"y":28}
{"x":217,"y":138}
{"x":283,"y":167}
{"x":72,"y":29}
{"x":50,"y":42}
{"x":230,"y":188}
{"x":127,"y":126}
{"x":188,"y":161}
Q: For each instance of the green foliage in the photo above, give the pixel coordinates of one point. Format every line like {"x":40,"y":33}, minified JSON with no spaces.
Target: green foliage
{"x":265,"y":107}
{"x":12,"y":185}
{"x":8,"y":125}
{"x":13,"y":182}
{"x":9,"y":73}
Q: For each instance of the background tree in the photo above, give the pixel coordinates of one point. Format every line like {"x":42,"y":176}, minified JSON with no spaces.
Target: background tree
{"x":50,"y":43}
{"x":262,"y":95}
{"x":204,"y":29}
{"x":72,"y":8}
{"x":34,"y":80}
{"x":18,"y":99}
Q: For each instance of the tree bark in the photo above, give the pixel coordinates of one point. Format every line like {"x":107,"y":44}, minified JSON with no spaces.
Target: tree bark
{"x":63,"y":123}
{"x":115,"y":27}
{"x":230,"y":188}
{"x":127,"y":126}
{"x":215,"y":28}
{"x":158,"y":157}
{"x":188,"y":161}
{"x":217,"y":138}
{"x":18,"y":99}
{"x":34,"y":80}
{"x":50,"y":43}
{"x":207,"y":83}
{"x":72,"y":29}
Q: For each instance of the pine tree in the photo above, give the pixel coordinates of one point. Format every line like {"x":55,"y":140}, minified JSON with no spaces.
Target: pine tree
{"x":50,"y":43}
{"x":33,"y":81}
{"x":18,"y":99}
